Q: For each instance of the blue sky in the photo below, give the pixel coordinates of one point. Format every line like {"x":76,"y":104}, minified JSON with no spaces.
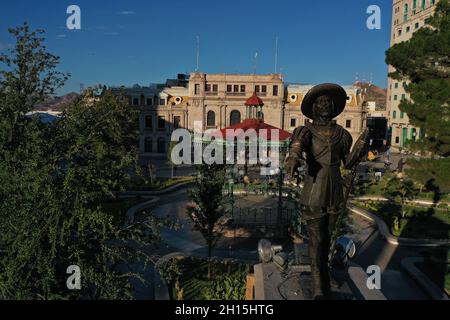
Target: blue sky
{"x":137,"y":41}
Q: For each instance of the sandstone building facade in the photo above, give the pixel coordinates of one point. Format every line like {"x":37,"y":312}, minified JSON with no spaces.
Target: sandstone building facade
{"x":218,"y":101}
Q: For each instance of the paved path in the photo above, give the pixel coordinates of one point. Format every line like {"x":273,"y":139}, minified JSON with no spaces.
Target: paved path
{"x":420,"y":202}
{"x":188,"y":240}
{"x":394,"y":159}
{"x":395,"y":283}
{"x":164,"y":170}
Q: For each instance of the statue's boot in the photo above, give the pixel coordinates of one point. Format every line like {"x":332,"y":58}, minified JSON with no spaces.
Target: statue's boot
{"x":316,"y":287}
{"x":334,"y":284}
{"x":320,"y":289}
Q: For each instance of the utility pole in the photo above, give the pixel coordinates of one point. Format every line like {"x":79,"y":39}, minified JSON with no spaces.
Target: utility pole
{"x":280,"y":202}
{"x":198,"y":52}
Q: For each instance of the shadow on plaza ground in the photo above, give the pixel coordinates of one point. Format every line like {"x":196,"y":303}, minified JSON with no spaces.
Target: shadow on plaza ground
{"x":254,"y":218}
{"x":422,"y":221}
{"x":435,"y":264}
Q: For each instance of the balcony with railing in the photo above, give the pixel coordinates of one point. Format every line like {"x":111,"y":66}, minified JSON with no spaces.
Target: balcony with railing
{"x":230,"y":93}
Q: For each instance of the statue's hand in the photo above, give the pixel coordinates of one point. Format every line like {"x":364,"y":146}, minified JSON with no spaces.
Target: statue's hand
{"x":291,"y":165}
{"x":347,"y":181}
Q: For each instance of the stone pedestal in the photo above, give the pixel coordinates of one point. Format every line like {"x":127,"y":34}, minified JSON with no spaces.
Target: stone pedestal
{"x":294,"y":282}
{"x":271,"y":283}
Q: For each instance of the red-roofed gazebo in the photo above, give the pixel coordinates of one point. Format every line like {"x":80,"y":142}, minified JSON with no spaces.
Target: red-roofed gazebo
{"x":251,"y":132}
{"x":257,"y":125}
{"x":254,"y":106}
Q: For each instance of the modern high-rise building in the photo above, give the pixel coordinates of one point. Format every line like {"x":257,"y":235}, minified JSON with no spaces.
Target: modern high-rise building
{"x":407,"y":17}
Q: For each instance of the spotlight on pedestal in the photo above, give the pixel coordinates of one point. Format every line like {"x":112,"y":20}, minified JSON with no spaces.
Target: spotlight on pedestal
{"x":344,"y":250}
{"x":267,"y":251}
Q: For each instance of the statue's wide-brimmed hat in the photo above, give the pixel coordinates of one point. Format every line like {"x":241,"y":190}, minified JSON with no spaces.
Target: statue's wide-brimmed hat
{"x":336,"y":93}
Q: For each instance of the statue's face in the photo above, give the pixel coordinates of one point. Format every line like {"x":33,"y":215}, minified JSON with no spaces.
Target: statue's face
{"x":323,"y":107}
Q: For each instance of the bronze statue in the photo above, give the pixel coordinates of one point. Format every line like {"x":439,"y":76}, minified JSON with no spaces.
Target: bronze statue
{"x":324,"y":146}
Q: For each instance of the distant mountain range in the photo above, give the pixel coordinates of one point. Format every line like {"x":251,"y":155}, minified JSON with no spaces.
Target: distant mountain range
{"x":57,"y":103}
{"x":373,"y":93}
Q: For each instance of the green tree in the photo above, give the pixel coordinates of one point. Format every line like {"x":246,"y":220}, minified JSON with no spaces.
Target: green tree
{"x":423,"y":64}
{"x":57,"y":180}
{"x":28,"y":76}
{"x":430,"y":174}
{"x":399,"y":190}
{"x":206,"y":210}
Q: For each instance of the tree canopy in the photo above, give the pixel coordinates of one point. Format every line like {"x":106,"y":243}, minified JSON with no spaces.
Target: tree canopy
{"x":57,"y":181}
{"x":206,"y":210}
{"x":423,"y":65}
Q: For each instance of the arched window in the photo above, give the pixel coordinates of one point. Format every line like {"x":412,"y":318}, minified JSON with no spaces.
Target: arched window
{"x":210,"y":119}
{"x":161,"y":145}
{"x":394,"y":114}
{"x":235,"y":117}
{"x":148,"y":145}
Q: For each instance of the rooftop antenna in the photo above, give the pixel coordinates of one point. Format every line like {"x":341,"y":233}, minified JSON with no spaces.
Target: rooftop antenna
{"x":276,"y":53}
{"x":198,"y":52}
{"x":255,"y":62}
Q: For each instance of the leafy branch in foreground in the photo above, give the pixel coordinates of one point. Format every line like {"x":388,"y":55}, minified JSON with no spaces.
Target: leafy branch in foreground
{"x":58,"y":180}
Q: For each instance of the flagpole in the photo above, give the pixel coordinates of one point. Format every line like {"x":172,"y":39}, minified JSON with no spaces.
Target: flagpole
{"x":276,"y":53}
{"x":198,"y":52}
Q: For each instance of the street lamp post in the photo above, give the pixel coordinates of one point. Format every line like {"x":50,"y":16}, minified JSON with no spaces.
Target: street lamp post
{"x":232,"y":174}
{"x":231,"y":189}
{"x":265,"y":161}
{"x":280,"y":195}
{"x":272,"y":173}
{"x":231,"y":183}
{"x":280,"y":200}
